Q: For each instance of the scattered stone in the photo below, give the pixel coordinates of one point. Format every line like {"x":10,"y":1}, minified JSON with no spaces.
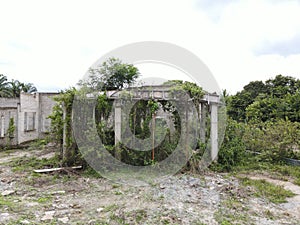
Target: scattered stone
{"x":100,"y":209}
{"x":57,"y":192}
{"x":48,"y":215}
{"x":7,"y":192}
{"x":60,"y":206}
{"x":32,"y":204}
{"x":63,"y":220}
{"x":4,"y":214}
{"x":75,"y":206}
{"x":24,"y":222}
{"x":51,"y":144}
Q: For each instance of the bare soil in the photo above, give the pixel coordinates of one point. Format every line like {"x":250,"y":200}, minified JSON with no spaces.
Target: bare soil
{"x":74,"y":198}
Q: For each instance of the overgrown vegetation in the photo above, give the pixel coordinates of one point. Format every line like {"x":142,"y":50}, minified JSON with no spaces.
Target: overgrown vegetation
{"x":273,"y":193}
{"x":263,"y":126}
{"x":114,"y":75}
{"x":263,"y":120}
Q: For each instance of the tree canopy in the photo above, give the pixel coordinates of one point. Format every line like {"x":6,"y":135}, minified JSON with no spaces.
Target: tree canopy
{"x":110,"y":75}
{"x":273,"y":99}
{"x":13,"y":88}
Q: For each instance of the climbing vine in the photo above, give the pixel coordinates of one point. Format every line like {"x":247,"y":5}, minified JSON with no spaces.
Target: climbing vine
{"x":11,"y":128}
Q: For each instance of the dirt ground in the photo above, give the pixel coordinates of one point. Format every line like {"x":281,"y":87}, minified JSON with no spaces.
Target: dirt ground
{"x":74,"y":198}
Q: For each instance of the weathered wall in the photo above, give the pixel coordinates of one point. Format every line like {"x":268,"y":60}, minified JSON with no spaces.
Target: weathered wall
{"x":34,"y":110}
{"x":28,"y":114}
{"x":46,"y":106}
{"x":5,"y":115}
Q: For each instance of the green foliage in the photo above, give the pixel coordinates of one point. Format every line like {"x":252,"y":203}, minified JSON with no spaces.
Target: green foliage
{"x":153,"y":105}
{"x":192,"y":89}
{"x":232,"y":151}
{"x":16,"y":87}
{"x":30,"y":163}
{"x":4,"y":89}
{"x":13,"y":88}
{"x":274,"y":140}
{"x":64,"y":103}
{"x":274,"y":99}
{"x":11,"y":128}
{"x":111,"y":75}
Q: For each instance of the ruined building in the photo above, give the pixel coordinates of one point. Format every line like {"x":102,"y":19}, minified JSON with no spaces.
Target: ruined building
{"x":25,"y":118}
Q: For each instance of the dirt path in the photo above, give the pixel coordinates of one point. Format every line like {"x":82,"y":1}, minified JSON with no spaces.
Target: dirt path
{"x":70,"y":198}
{"x":293,"y":204}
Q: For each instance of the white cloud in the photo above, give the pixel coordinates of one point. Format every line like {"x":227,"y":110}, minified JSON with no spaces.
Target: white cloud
{"x":53,"y":43}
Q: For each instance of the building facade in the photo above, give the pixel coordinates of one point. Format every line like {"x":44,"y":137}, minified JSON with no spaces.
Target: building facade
{"x":25,"y":118}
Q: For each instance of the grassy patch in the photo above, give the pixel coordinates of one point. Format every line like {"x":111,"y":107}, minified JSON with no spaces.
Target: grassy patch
{"x":273,"y":193}
{"x":279,"y":171}
{"x":110,"y":208}
{"x":6,"y":202}
{"x":90,"y":172}
{"x":30,"y":163}
{"x":228,"y":217}
{"x":44,"y":199}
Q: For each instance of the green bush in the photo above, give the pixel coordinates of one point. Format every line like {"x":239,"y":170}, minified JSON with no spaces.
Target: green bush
{"x":232,"y":151}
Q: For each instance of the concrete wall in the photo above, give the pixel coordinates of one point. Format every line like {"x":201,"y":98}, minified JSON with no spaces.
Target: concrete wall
{"x":33,"y":113}
{"x":30,"y":113}
{"x":8,"y":109}
{"x":46,"y":106}
{"x":5,"y":115}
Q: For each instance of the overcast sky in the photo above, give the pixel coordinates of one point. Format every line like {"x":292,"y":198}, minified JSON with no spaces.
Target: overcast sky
{"x":53,"y":43}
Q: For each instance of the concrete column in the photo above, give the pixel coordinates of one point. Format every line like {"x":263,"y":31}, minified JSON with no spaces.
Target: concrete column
{"x":214,"y":130}
{"x":118,"y":124}
{"x":64,"y":144}
{"x":203,"y":111}
{"x":118,"y":129}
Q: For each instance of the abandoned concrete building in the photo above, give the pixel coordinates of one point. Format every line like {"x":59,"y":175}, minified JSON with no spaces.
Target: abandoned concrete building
{"x":25,"y":118}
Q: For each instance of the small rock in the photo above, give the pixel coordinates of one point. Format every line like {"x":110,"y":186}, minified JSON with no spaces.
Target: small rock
{"x":4,"y":214}
{"x":75,"y":206}
{"x":58,"y":192}
{"x":100,"y":209}
{"x":63,"y":220}
{"x":162,"y":187}
{"x":51,"y":144}
{"x":48,"y":215}
{"x":32,"y":204}
{"x":7,"y":192}
{"x":24,"y":222}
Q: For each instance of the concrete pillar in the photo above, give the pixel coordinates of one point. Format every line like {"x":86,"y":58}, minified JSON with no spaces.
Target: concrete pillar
{"x":203,"y":111}
{"x":214,"y":130}
{"x":118,"y":129}
{"x":64,"y":144}
{"x":118,"y":124}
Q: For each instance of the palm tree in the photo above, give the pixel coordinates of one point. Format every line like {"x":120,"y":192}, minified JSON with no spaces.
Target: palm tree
{"x":28,"y":88}
{"x":16,"y":87}
{"x":4,"y":88}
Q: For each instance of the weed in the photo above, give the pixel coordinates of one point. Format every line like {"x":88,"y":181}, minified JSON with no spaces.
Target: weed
{"x":111,"y":207}
{"x":45,"y":199}
{"x":5,"y":202}
{"x":273,"y":193}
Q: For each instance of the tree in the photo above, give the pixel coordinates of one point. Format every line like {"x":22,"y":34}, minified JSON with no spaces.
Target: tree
{"x":4,"y":89}
{"x":16,"y":87}
{"x":277,"y":98}
{"x":111,"y":75}
{"x":282,"y":85}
